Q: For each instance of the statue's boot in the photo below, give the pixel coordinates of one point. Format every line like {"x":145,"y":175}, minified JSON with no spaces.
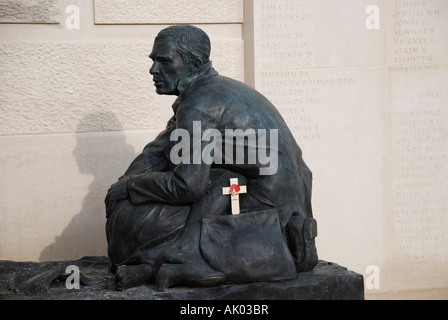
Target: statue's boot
{"x":132,"y":276}
{"x":170,"y":275}
{"x":301,"y":233}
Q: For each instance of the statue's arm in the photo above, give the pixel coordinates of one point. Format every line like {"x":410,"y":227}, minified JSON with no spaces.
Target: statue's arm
{"x":155,"y":155}
{"x":185,"y":184}
{"x":152,"y":159}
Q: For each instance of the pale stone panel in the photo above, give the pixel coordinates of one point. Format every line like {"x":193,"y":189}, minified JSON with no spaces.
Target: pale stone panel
{"x":289,"y":34}
{"x":368,"y":106}
{"x":168,"y":11}
{"x":340,"y":127}
{"x":419,"y":205}
{"x":29,"y":11}
{"x":325,"y":71}
{"x":228,"y":58}
{"x":417,"y":34}
{"x":50,"y":87}
{"x":54,"y":208}
{"x":337,"y":117}
{"x":419,"y":136}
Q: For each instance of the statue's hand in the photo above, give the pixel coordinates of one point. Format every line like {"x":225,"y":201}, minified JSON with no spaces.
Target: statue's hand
{"x":116,"y":193}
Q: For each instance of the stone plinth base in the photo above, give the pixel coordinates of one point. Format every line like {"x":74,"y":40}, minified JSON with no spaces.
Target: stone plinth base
{"x":47,"y":281}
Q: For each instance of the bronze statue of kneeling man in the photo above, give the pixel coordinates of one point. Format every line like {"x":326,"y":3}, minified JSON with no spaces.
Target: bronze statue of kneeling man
{"x":222,"y":195}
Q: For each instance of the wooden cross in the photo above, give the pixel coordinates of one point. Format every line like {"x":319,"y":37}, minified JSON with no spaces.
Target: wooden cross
{"x":234,"y":190}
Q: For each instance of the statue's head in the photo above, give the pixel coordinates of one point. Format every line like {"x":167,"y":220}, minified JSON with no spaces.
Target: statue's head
{"x":179,"y":52}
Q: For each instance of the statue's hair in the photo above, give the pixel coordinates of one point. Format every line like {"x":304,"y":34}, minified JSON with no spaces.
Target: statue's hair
{"x":191,"y":42}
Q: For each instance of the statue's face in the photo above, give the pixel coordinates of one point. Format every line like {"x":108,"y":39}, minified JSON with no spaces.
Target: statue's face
{"x":168,"y":67}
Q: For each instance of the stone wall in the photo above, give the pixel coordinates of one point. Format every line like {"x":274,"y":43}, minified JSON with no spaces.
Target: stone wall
{"x":364,"y":88}
{"x":76,"y":105}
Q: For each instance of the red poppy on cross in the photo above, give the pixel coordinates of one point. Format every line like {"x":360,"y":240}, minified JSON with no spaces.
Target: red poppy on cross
{"x":234,"y":190}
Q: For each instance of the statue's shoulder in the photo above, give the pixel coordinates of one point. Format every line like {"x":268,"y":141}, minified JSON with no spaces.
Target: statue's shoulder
{"x":219,"y":88}
{"x":216,"y":94}
{"x":208,"y":97}
{"x":213,"y":88}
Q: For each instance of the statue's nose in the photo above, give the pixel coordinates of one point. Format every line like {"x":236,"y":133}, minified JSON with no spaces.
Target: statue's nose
{"x":154,"y":69}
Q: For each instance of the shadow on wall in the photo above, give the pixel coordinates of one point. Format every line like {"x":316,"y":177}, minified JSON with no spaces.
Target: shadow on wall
{"x":106,"y":157}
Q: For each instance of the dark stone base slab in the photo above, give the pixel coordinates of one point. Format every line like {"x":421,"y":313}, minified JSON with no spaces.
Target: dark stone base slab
{"x":47,"y":281}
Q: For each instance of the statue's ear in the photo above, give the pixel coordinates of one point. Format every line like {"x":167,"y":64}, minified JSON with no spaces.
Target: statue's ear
{"x":197,"y":65}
